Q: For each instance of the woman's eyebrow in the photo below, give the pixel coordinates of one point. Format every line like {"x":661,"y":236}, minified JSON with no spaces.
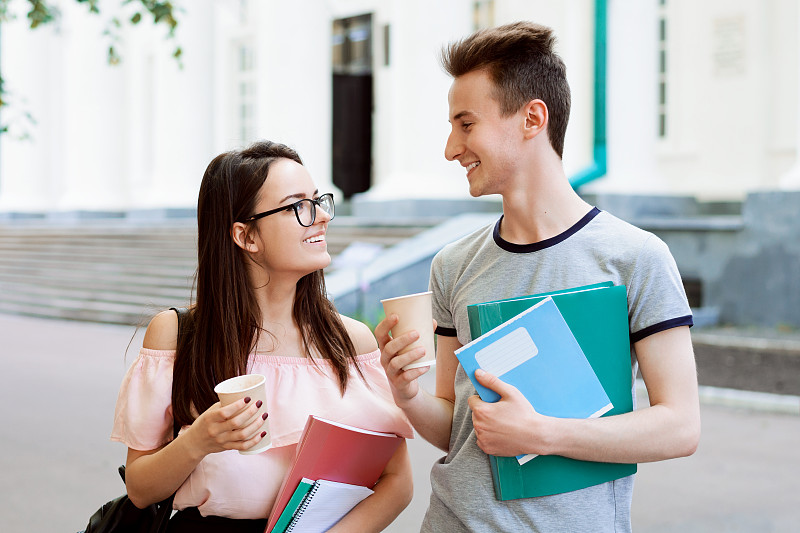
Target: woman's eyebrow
{"x":298,"y":195}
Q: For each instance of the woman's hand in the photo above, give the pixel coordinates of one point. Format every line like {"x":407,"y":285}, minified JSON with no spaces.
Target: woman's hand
{"x":153,"y":475}
{"x":227,"y":428}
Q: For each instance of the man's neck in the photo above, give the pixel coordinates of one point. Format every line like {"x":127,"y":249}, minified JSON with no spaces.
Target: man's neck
{"x":544,"y":207}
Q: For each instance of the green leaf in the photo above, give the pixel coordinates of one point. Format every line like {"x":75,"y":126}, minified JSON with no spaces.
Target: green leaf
{"x":40,"y":13}
{"x":136,"y":18}
{"x":92,"y":5}
{"x":113,"y":57}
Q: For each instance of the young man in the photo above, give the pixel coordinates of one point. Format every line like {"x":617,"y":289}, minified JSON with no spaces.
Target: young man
{"x":509,"y":107}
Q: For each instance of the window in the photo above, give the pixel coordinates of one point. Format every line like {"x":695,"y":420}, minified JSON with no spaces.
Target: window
{"x":662,"y":69}
{"x":386,"y":44}
{"x":482,"y":14}
{"x":244,"y":94}
{"x":352,"y":45}
{"x":244,"y":10}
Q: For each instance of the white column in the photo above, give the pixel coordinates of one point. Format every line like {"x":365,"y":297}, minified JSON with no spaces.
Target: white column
{"x":90,"y":105}
{"x":30,"y":158}
{"x":572,"y":21}
{"x":182,"y":122}
{"x":411,"y":102}
{"x":293,"y":58}
{"x":791,"y":180}
{"x":632,"y":86}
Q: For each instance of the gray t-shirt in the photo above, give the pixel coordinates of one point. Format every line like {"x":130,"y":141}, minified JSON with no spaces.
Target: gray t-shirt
{"x":483,"y":267}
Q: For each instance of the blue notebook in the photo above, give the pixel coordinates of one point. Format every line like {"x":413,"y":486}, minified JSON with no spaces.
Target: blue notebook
{"x":537,"y":353}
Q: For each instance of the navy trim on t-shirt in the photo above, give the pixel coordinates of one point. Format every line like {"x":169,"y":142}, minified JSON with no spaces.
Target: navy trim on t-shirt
{"x":662,"y":326}
{"x":541,"y":245}
{"x":446,"y":332}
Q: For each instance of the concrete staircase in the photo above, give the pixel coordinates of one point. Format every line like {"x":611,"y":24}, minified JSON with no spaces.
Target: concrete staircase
{"x":121,"y":272}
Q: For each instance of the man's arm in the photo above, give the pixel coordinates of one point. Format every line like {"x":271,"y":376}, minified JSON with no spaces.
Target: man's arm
{"x":431,"y":415}
{"x":668,"y":428}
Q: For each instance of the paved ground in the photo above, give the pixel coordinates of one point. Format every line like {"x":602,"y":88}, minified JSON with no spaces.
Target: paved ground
{"x":59,"y":386}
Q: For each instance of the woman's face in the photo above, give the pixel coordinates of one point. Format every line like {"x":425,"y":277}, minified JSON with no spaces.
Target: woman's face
{"x":285,"y":245}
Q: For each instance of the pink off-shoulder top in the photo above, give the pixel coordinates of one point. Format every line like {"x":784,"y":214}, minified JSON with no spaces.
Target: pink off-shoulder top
{"x":245,"y":486}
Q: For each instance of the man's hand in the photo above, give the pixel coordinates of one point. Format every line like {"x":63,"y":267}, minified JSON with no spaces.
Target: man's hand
{"x":403,"y":382}
{"x":510,"y":426}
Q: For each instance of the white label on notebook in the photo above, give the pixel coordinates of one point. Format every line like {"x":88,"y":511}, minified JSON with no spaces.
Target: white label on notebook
{"x":507,"y":353}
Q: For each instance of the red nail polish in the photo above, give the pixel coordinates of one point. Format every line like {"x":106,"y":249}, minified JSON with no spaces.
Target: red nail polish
{"x":259,"y":403}
{"x":263,"y":434}
{"x":247,"y":399}
{"x":264,"y":416}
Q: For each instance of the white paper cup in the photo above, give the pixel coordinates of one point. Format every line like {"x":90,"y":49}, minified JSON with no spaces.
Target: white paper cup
{"x":252,"y":385}
{"x":415,"y":313}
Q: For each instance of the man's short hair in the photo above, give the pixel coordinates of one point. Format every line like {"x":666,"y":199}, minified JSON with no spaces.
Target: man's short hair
{"x":521,"y":62}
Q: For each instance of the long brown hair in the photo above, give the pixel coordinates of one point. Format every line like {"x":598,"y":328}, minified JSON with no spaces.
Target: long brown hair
{"x":222,"y":328}
{"x":521,"y":60}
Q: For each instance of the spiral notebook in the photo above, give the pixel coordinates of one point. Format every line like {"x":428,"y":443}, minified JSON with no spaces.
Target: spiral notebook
{"x":294,"y":504}
{"x":336,"y":452}
{"x":325,"y":504}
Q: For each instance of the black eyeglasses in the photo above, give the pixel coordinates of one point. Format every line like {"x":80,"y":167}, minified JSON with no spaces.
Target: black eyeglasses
{"x":305,"y":210}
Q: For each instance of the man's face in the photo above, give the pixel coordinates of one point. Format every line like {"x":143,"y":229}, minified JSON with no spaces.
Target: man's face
{"x":484,"y":142}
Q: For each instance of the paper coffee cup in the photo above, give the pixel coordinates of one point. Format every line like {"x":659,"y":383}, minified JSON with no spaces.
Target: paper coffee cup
{"x":415,"y":313}
{"x":252,"y":385}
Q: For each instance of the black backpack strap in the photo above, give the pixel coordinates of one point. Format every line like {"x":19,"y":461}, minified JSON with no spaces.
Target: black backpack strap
{"x":181,"y":312}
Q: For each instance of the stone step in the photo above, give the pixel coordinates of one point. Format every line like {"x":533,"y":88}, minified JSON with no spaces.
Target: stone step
{"x":83,"y":311}
{"x":123,"y":272}
{"x":92,"y":305}
{"x":169,"y":286}
{"x":49,"y":258}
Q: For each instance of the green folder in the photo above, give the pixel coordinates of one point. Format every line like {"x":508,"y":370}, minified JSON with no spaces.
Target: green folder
{"x":598,"y":317}
{"x":294,"y":503}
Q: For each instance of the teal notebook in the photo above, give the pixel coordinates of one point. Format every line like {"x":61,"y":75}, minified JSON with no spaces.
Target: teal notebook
{"x":597,"y":315}
{"x":294,"y":504}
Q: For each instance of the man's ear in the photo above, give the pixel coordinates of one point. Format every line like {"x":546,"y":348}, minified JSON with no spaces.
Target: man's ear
{"x":536,"y":118}
{"x":243,"y":238}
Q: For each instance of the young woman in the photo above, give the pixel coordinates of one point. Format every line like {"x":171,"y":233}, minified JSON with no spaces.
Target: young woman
{"x":260,"y":307}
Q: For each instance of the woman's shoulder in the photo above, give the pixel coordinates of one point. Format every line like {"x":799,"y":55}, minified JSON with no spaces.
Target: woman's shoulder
{"x":362,"y":337}
{"x":162,"y":332}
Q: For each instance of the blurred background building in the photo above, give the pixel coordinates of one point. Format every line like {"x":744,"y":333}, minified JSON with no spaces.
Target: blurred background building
{"x":685,"y":119}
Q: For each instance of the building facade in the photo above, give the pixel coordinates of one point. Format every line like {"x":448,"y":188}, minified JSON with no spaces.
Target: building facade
{"x":701,"y":99}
